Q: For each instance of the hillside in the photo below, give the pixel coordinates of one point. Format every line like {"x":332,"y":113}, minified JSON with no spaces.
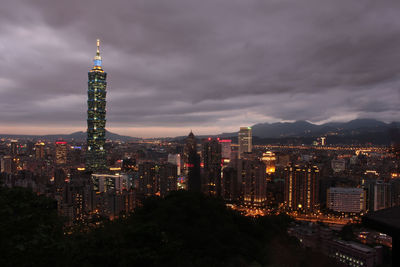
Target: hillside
{"x":77,"y":136}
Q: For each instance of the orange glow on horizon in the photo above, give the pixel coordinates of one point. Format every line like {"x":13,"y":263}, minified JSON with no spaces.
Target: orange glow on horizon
{"x":141,"y":132}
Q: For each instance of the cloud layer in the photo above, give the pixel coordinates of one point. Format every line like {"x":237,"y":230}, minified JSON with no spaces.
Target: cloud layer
{"x":210,"y":65}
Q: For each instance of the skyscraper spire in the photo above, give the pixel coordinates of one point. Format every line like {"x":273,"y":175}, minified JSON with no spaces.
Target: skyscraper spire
{"x":96,"y":121}
{"x":97,"y":59}
{"x":98,"y":48}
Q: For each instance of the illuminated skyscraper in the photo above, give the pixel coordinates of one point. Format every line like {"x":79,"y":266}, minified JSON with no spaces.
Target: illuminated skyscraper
{"x":301,"y":187}
{"x":245,"y":141}
{"x":96,"y":121}
{"x":323,"y":141}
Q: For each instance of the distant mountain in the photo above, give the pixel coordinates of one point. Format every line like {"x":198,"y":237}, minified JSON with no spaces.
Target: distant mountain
{"x":357,"y":124}
{"x":307,"y":129}
{"x":77,"y":136}
{"x":356,"y":131}
{"x":284,"y":129}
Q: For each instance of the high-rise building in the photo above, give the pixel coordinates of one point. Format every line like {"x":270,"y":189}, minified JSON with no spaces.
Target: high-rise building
{"x":157,"y":179}
{"x":378,"y":193}
{"x":147,"y":179}
{"x":192,"y":164}
{"x":301,"y":187}
{"x":382,"y":195}
{"x":269,"y":160}
{"x":226,"y":148}
{"x":323,"y":141}
{"x":190,"y":147}
{"x":14,"y":149}
{"x":96,"y":121}
{"x":30,"y":147}
{"x":76,"y":156}
{"x":176,"y":160}
{"x":39,"y":150}
{"x":395,"y":184}
{"x":245,"y":141}
{"x":253,"y":182}
{"x":341,"y":199}
{"x":167,"y":178}
{"x":61,"y":152}
{"x":107,"y":182}
{"x":7,"y":164}
{"x":212,"y":167}
{"x":230,"y":187}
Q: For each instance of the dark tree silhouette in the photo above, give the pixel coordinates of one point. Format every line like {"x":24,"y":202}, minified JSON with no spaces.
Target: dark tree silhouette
{"x":183,"y":229}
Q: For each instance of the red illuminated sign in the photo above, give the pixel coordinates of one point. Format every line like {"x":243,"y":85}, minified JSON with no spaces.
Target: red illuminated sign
{"x":61,"y":143}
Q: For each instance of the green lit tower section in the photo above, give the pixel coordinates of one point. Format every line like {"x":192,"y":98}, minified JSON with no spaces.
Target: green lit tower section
{"x":96,"y":121}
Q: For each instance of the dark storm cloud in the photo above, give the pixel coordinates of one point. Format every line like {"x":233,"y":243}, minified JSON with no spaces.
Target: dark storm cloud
{"x":210,"y":63}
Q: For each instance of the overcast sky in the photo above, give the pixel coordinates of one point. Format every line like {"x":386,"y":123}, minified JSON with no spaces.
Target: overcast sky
{"x":206,"y":65}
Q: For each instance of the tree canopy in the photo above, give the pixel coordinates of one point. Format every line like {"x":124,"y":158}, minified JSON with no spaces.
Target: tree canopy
{"x":183,"y":229}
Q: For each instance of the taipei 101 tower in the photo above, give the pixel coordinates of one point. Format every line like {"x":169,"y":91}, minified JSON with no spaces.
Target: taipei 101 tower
{"x":96,"y":116}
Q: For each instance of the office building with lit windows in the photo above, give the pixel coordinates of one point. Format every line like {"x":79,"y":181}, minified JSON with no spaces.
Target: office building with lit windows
{"x":96,"y":121}
{"x":226,"y":149}
{"x":167,"y":178}
{"x":107,"y":182}
{"x":176,"y":160}
{"x":252,"y":177}
{"x":346,"y":199}
{"x":301,"y":187}
{"x":61,"y":152}
{"x":148,"y":178}
{"x":39,"y":150}
{"x":269,"y":159}
{"x":245,"y":141}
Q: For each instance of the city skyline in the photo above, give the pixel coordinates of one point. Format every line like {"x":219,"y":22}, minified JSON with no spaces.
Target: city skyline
{"x":201,"y":133}
{"x":199,"y":66}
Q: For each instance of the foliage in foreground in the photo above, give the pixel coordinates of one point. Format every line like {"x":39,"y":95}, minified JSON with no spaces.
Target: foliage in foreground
{"x":30,"y":230}
{"x":184,"y":229}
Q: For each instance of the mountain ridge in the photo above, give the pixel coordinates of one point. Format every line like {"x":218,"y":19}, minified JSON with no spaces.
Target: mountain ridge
{"x":305,"y":128}
{"x":262,"y":130}
{"x":76,"y":136}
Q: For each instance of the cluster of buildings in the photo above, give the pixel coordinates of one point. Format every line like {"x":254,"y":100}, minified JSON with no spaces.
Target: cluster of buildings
{"x":102,"y":178}
{"x":347,"y":253}
{"x":252,"y":176}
